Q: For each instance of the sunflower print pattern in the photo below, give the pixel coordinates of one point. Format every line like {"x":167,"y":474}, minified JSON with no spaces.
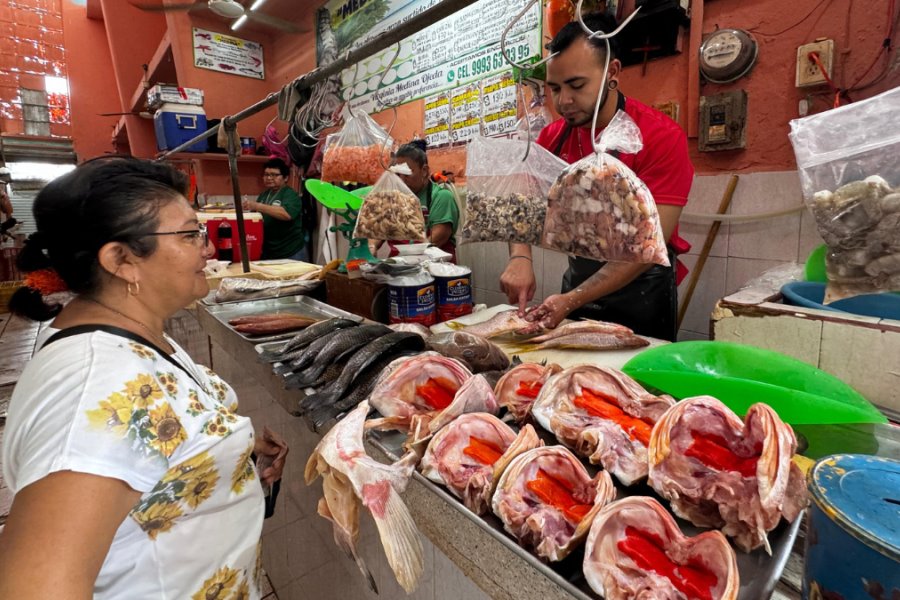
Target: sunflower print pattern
{"x":244,"y":471}
{"x":184,"y":486}
{"x":169,"y":383}
{"x":224,"y":583}
{"x":138,"y":414}
{"x":142,"y":351}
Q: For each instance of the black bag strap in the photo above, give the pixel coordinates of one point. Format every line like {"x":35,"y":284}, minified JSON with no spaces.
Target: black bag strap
{"x":118,"y":331}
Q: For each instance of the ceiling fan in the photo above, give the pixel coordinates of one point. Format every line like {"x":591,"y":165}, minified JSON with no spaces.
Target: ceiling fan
{"x":229,"y":9}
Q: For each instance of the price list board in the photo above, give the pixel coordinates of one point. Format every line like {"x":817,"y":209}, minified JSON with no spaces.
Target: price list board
{"x":488,"y":108}
{"x":456,"y":51}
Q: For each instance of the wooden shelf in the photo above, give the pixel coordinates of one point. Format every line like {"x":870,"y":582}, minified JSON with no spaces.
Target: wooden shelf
{"x":160,"y":69}
{"x":215,"y":156}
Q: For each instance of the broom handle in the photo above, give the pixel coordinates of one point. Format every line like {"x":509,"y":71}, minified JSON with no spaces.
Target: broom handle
{"x":707,"y":247}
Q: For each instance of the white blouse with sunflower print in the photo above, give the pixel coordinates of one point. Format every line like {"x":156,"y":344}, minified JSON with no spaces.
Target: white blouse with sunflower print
{"x":102,"y":404}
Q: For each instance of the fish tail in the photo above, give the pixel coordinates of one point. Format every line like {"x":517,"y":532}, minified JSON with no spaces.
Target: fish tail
{"x":267,"y":356}
{"x":316,"y":401}
{"x":398,"y":533}
{"x":321,"y":416}
{"x":521,"y":349}
{"x":454,"y":325}
{"x":344,"y":517}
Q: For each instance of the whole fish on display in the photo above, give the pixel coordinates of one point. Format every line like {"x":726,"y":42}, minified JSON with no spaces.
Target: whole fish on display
{"x":344,"y":342}
{"x":321,"y":417}
{"x":300,"y":359}
{"x":475,"y":351}
{"x":502,"y":323}
{"x":388,"y":347}
{"x":590,"y":340}
{"x":306,"y":337}
{"x":273,"y":325}
{"x":412,"y":328}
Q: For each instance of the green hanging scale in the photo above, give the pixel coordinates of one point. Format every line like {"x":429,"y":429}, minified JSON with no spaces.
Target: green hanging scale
{"x":345,"y":205}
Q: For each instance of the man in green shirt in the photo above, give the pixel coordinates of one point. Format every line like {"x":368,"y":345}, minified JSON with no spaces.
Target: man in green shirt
{"x":281,"y":208}
{"x":438,"y":203}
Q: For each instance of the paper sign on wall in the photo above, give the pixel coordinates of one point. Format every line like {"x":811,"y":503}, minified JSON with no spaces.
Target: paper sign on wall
{"x":227,"y":54}
{"x":437,"y":120}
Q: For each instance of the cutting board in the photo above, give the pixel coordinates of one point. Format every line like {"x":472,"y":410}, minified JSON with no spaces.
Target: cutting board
{"x":565,"y":358}
{"x":282,"y":267}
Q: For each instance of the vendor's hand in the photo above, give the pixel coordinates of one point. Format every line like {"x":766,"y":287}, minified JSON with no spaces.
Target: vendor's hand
{"x":518,"y":282}
{"x":248,"y":205}
{"x":271,"y":451}
{"x":552,"y":311}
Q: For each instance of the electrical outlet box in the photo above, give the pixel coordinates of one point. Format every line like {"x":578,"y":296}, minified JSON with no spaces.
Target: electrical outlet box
{"x":723,"y":120}
{"x":808,"y":72}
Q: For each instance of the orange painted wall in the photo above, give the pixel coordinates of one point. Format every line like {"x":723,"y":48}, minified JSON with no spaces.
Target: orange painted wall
{"x":90,"y":74}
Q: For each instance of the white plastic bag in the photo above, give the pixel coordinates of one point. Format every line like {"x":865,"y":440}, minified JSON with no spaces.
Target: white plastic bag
{"x":507,"y":196}
{"x":390,"y":211}
{"x":599,"y":209}
{"x":849,"y":162}
{"x":359,"y":152}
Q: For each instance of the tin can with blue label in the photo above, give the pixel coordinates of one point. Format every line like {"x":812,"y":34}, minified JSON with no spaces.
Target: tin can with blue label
{"x":413,"y":301}
{"x":853,"y":536}
{"x":454,"y":290}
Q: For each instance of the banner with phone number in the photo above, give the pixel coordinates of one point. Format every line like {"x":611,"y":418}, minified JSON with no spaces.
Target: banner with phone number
{"x":461,"y":49}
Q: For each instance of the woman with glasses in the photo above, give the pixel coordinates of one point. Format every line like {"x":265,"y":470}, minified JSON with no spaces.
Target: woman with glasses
{"x":130,"y":466}
{"x":282,"y":211}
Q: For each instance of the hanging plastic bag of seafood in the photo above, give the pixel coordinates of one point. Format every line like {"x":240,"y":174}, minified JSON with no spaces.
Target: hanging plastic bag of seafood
{"x":536,"y":118}
{"x":599,"y":209}
{"x":507,"y":190}
{"x":391,"y":211}
{"x":358,"y":153}
{"x":849,"y":162}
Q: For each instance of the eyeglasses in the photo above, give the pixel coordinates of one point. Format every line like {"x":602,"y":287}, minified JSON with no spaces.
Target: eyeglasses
{"x":198,"y":237}
{"x":271,"y":175}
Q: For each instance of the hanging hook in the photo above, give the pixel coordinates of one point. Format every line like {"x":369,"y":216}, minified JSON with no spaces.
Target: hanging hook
{"x":599,"y":34}
{"x":506,"y":31}
{"x":379,"y":105}
{"x":521,"y":87}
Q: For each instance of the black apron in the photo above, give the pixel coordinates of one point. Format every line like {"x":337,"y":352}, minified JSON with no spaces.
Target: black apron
{"x":648,"y":305}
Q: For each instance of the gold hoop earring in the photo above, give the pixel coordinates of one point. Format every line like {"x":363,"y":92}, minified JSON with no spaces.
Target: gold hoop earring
{"x":135,"y":290}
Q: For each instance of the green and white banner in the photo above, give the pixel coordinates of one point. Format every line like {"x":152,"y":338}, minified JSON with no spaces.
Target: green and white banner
{"x":454,"y":52}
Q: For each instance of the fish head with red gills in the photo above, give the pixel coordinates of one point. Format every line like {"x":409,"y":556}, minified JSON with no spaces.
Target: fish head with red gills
{"x":519,"y":387}
{"x":719,"y":471}
{"x":426,"y":383}
{"x":636,"y":550}
{"x":603,"y":415}
{"x":466,"y":453}
{"x":547,"y":500}
{"x":350,"y":476}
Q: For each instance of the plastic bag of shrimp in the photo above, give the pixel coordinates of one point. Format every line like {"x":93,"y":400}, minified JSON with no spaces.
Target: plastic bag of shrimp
{"x":359,"y":153}
{"x":599,"y":209}
{"x":390,"y":211}
{"x":507,"y":185}
{"x":849,"y":163}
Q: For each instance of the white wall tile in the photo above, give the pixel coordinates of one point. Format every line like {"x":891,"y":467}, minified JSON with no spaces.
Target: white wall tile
{"x":742,"y":270}
{"x":705,"y":197}
{"x":695,"y":233}
{"x":710,"y":288}
{"x":770,"y":239}
{"x":496,"y":255}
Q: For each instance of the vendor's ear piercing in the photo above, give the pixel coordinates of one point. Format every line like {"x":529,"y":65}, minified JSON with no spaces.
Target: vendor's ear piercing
{"x":134,"y":288}
{"x":613,"y":84}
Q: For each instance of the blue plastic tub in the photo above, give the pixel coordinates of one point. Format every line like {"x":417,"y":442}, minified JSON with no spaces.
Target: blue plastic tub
{"x":811,"y":294}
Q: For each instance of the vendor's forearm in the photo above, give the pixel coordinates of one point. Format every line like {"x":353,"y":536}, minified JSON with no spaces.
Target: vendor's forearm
{"x":610,"y":278}
{"x":276,"y":212}
{"x":440,"y":234}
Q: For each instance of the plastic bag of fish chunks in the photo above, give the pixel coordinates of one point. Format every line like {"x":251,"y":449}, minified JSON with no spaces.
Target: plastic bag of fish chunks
{"x":359,"y":152}
{"x":507,"y":190}
{"x":390,"y":211}
{"x":849,"y":163}
{"x":599,"y":209}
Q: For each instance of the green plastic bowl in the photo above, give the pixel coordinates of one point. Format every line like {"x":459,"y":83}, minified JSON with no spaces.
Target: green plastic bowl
{"x":815,"y":265}
{"x":332,"y":197}
{"x":741,"y":376}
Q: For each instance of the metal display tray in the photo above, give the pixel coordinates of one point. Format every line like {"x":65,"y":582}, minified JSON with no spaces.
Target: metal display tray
{"x":292,"y":305}
{"x":759,"y":572}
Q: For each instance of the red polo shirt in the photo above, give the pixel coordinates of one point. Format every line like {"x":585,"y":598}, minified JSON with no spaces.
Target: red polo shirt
{"x":663,"y":163}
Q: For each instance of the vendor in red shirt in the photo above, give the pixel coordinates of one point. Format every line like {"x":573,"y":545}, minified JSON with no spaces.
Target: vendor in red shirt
{"x":640,"y":296}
